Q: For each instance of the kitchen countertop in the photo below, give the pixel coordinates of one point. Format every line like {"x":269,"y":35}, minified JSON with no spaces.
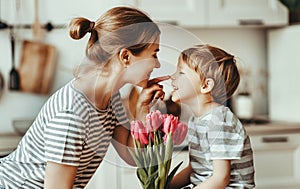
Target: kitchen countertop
{"x":9,"y":141}
{"x":272,"y":128}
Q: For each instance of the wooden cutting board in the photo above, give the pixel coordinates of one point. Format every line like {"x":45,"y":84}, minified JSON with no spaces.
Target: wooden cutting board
{"x":37,"y":66}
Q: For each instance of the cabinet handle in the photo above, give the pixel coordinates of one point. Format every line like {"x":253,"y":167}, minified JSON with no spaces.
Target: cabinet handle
{"x":175,"y":23}
{"x":251,"y":22}
{"x":274,"y":139}
{"x":222,"y":3}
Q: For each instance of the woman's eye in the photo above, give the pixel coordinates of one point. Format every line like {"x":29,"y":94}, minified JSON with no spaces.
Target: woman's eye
{"x":180,"y":72}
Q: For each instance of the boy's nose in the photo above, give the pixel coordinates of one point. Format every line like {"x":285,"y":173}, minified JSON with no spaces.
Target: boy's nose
{"x":172,"y":77}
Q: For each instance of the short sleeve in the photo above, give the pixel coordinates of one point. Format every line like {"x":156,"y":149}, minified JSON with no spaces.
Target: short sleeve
{"x":64,"y":138}
{"x":119,"y":110}
{"x":226,"y":137}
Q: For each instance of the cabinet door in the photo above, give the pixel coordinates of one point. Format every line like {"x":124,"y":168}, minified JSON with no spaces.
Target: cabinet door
{"x":283,"y":64}
{"x":179,"y":12}
{"x":276,"y":161}
{"x":246,"y":12}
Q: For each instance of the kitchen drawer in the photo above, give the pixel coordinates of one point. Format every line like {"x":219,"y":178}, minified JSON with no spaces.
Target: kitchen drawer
{"x":277,"y":160}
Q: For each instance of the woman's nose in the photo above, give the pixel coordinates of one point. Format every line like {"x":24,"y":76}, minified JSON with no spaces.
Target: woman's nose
{"x":157,"y":64}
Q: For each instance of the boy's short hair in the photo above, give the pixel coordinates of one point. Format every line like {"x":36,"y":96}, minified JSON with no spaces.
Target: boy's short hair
{"x":215,"y":63}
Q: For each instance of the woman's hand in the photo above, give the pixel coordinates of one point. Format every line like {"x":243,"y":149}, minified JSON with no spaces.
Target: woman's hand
{"x":148,"y":95}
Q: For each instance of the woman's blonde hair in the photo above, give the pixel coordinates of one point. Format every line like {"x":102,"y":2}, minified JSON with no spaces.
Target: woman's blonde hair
{"x":215,"y":63}
{"x":118,"y":28}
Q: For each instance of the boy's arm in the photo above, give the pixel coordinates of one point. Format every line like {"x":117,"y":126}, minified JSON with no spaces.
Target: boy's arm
{"x":220,"y":177}
{"x":182,"y":178}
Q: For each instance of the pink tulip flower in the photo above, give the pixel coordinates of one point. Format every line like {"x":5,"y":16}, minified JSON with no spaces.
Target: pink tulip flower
{"x":154,"y":120}
{"x":180,"y":133}
{"x":139,"y":132}
{"x":170,"y":123}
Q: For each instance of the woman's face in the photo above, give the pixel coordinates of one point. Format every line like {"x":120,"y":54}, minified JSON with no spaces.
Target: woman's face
{"x":186,"y":84}
{"x":142,"y":65}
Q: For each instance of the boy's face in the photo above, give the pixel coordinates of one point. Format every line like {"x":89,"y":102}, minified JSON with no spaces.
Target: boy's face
{"x":186,"y":84}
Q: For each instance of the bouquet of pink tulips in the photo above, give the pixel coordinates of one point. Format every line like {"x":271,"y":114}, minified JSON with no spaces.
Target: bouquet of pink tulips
{"x":153,"y":149}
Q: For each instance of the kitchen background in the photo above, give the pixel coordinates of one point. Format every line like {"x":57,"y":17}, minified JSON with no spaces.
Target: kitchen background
{"x":257,"y":32}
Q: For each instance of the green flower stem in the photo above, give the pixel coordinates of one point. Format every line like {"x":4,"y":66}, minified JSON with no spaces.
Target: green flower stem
{"x":136,"y":149}
{"x":169,"y":151}
{"x":162,"y":150}
{"x":149,"y":152}
{"x":137,"y":161}
{"x":162,"y":176}
{"x":144,"y":159}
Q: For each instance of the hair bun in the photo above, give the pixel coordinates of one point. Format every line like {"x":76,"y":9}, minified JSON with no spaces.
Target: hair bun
{"x":80,"y":26}
{"x":92,"y":24}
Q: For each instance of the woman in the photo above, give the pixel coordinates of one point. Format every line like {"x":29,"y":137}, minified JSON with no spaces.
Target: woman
{"x":71,"y":134}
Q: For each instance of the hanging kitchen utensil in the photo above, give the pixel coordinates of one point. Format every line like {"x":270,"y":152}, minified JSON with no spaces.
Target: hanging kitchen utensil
{"x":14,"y":78}
{"x":1,"y":83}
{"x":37,"y":27}
{"x":3,"y":25}
{"x":37,"y":66}
{"x":38,"y":61}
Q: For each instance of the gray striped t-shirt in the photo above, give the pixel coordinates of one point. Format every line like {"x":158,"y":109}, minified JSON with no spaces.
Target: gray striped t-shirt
{"x":220,"y":135}
{"x":68,"y":130}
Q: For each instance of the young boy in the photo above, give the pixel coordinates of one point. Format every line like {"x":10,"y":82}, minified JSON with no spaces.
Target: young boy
{"x":219,"y":148}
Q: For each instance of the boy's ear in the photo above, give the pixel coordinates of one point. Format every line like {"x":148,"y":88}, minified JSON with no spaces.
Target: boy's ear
{"x":207,"y":86}
{"x":124,"y":57}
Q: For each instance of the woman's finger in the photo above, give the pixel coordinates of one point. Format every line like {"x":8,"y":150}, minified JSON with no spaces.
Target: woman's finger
{"x":159,"y":95}
{"x":148,"y":94}
{"x":157,"y":80}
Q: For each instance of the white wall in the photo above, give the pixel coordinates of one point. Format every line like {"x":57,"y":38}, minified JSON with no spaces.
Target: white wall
{"x":247,"y":44}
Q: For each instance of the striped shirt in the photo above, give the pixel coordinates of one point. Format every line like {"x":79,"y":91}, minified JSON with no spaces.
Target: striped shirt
{"x":68,"y":130}
{"x":220,"y":135}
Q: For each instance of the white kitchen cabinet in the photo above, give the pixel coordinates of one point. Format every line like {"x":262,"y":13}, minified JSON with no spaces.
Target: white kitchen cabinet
{"x":185,"y":13}
{"x":246,"y":12}
{"x":179,"y":12}
{"x":127,"y":175}
{"x":56,"y":11}
{"x":283,"y":62}
{"x":277,"y":161}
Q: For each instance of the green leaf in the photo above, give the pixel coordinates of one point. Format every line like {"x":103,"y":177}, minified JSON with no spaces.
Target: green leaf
{"x":170,"y":177}
{"x":151,"y":180}
{"x":142,"y":175}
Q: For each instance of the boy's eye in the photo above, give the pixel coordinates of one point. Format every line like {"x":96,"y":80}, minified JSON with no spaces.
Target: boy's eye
{"x":181,"y":72}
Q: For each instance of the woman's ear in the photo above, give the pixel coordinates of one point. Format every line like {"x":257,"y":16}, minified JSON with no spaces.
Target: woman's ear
{"x":207,"y":86}
{"x":124,"y":57}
